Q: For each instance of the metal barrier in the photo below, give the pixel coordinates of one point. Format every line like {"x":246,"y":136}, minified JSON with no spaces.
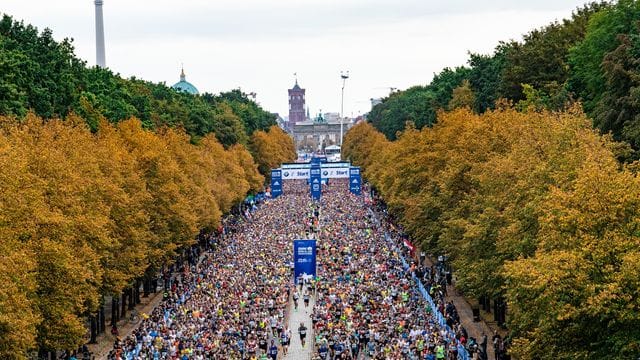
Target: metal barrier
{"x":462,"y":352}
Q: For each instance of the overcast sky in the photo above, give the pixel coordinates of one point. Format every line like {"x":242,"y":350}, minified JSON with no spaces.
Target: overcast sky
{"x":257,"y":45}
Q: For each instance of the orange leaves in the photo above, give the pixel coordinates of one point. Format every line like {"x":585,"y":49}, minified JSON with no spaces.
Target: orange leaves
{"x":250,"y":168}
{"x":530,"y":206}
{"x":83,"y":215}
{"x":272,"y":148}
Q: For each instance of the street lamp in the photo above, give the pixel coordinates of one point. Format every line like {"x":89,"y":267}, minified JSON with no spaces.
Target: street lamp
{"x":344,"y":77}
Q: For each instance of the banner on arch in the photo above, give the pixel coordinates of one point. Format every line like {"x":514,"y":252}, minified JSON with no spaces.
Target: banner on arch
{"x":315,"y":182}
{"x":276,"y":183}
{"x":355,"y":180}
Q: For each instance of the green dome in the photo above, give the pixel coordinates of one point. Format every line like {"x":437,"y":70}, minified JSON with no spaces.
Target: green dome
{"x":184,"y":85}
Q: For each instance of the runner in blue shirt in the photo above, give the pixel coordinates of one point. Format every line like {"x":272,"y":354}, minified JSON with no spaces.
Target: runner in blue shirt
{"x":273,"y":350}
{"x":323,"y":351}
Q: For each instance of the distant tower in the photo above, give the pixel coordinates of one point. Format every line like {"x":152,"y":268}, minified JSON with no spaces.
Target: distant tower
{"x":296,"y":105}
{"x":100,"y":61}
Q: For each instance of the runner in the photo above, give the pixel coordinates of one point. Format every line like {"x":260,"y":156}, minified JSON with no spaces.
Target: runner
{"x":285,"y":340}
{"x":273,"y":350}
{"x":232,"y":303}
{"x":302,"y":331}
{"x":295,"y":299}
{"x":306,"y":298}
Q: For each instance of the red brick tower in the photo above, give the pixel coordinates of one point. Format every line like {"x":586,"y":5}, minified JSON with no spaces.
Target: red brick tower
{"x":296,"y":105}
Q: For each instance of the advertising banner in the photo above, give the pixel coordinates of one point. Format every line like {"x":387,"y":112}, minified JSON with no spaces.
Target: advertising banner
{"x":335,"y":173}
{"x":304,"y":259}
{"x":341,"y":164}
{"x":295,"y":174}
{"x":276,"y":183}
{"x":315,"y":182}
{"x":355,"y":181}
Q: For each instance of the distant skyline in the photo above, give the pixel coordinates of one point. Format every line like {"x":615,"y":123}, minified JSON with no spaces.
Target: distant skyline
{"x":257,"y":45}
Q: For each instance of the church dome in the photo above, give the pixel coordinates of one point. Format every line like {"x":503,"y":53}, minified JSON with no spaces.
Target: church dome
{"x":184,"y":85}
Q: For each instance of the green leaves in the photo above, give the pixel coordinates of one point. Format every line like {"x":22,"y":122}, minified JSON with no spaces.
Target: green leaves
{"x":39,"y":74}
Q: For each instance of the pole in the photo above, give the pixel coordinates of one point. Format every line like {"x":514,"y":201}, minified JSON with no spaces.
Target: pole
{"x":100,"y":58}
{"x":344,"y":77}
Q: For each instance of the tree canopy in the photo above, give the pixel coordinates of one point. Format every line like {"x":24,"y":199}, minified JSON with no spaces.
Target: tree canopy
{"x":529,"y":206}
{"x":547,"y":61}
{"x":41,"y":75}
{"x":85,"y":213}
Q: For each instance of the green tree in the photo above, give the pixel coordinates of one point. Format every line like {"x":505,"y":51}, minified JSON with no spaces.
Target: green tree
{"x":618,"y":110}
{"x":485,"y":77}
{"x":587,"y":79}
{"x":417,"y":105}
{"x":541,"y":59}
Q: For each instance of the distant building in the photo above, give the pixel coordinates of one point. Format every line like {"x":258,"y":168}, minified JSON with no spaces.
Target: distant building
{"x":331,"y":117}
{"x":317,"y":134}
{"x":184,"y":85}
{"x":280,"y":121}
{"x":296,"y":105}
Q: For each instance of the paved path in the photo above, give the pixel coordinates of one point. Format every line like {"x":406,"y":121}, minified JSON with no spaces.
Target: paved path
{"x":105,"y":340}
{"x":474,"y":329}
{"x":296,"y":351}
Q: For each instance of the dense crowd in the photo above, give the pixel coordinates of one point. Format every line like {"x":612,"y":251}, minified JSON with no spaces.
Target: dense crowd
{"x":367,"y":305}
{"x":232,"y":303}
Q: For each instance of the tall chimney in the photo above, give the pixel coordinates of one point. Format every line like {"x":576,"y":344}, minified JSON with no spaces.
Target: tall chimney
{"x":100,"y":61}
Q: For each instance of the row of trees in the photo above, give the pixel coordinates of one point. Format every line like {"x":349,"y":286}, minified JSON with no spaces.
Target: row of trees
{"x":84,"y":215}
{"x":592,"y":57}
{"x":104,"y":179}
{"x":44,"y":76}
{"x":531,"y":207}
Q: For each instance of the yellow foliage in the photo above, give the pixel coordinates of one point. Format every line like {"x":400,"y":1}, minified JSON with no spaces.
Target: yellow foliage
{"x":528,"y":206}
{"x":272,"y":148}
{"x":84,"y":215}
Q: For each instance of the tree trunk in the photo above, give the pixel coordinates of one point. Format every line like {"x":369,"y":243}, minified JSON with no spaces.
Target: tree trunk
{"x":145,"y":287}
{"x":93,"y":328}
{"x":102,"y":323}
{"x":123,"y":310}
{"x":115,"y":314}
{"x":137,"y":292}
{"x":132,"y":302}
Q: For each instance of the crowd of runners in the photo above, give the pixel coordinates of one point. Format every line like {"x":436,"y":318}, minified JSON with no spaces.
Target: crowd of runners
{"x":367,"y":305}
{"x":233,"y":303}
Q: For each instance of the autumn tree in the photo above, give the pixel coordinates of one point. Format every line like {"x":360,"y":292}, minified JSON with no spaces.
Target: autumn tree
{"x":19,"y":317}
{"x":272,"y":148}
{"x":462,"y":97}
{"x":582,"y":283}
{"x":245,"y":160}
{"x":498,"y":192}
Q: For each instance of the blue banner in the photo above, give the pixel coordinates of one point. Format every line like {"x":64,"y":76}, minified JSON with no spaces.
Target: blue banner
{"x":355,"y":181}
{"x":315,"y":181}
{"x":304,"y":258}
{"x":276,"y":183}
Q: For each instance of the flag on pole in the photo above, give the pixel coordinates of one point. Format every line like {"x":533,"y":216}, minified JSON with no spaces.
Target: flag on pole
{"x":409,"y":245}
